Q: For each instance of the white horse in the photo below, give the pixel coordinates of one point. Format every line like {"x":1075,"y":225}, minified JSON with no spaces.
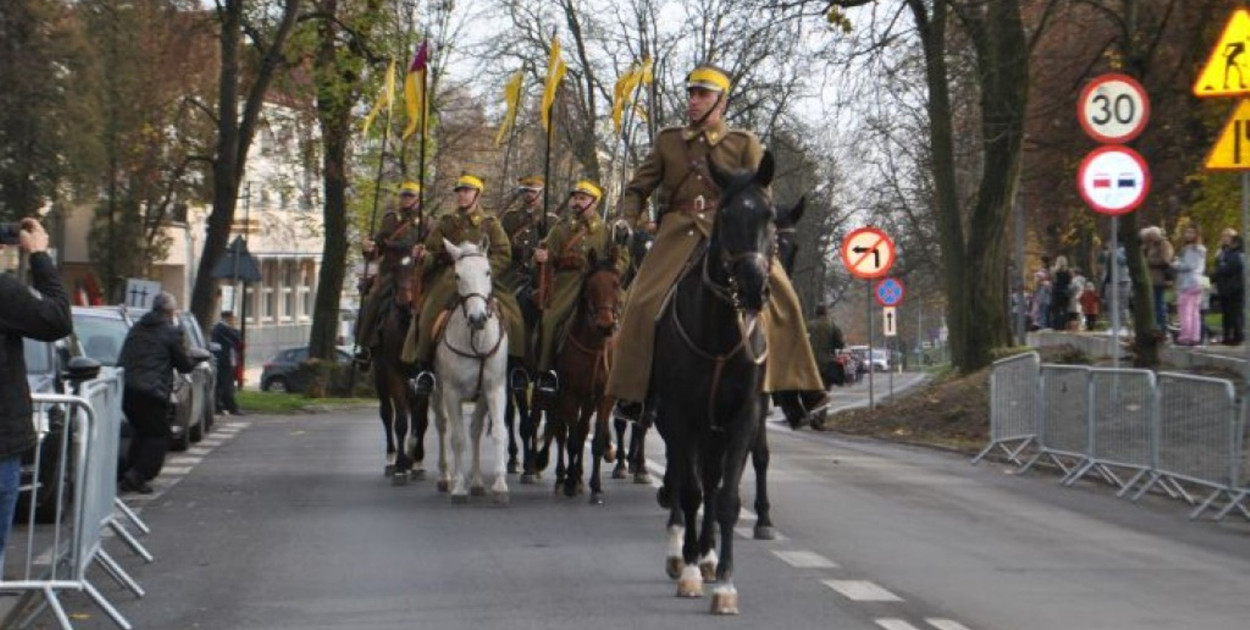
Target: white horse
{"x":471,"y":362}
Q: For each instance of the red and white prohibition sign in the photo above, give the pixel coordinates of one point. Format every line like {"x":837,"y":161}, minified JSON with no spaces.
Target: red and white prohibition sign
{"x":868,"y":253}
{"x":1113,"y":179}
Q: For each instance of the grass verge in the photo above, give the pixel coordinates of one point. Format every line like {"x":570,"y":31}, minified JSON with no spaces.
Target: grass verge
{"x":251,"y":401}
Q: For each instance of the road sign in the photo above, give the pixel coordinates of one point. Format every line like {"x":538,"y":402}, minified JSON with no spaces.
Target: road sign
{"x":889,"y":292}
{"x":889,"y":322}
{"x":868,"y":253}
{"x":1113,"y":108}
{"x":1227,"y":72}
{"x":1232,"y":151}
{"x":1113,"y":179}
{"x":140,"y":293}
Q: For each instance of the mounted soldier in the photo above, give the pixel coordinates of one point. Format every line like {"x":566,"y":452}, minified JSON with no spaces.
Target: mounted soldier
{"x":468,"y":222}
{"x":521,"y":224}
{"x":568,"y":248}
{"x":389,"y":246}
{"x":676,"y":171}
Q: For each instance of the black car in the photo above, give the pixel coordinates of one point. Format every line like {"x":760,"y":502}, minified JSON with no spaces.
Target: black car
{"x":282,"y":373}
{"x":102,"y":331}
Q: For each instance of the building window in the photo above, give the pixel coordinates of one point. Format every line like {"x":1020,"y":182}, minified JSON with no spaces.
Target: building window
{"x":290,"y":280}
{"x":268,"y":299}
{"x":306,"y":291}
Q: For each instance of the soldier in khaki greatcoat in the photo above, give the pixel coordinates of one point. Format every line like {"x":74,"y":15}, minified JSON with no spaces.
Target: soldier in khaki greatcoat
{"x":676,"y":172}
{"x":392,"y":243}
{"x":521,"y":224}
{"x":468,"y":223}
{"x":568,"y":247}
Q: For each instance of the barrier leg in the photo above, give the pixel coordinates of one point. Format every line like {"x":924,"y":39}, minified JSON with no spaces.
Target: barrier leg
{"x":130,"y":541}
{"x":1133,"y":482}
{"x":1234,"y":502}
{"x":131,"y":516}
{"x":115,"y":570}
{"x":107,"y":607}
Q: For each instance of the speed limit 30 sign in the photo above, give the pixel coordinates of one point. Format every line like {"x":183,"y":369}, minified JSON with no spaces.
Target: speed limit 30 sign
{"x":1113,"y":108}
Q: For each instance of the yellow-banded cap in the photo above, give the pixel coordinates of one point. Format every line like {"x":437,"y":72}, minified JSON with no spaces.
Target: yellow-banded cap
{"x":708,"y":78}
{"x":530,"y":182}
{"x":470,"y":181}
{"x":410,"y":187}
{"x":587,"y":187}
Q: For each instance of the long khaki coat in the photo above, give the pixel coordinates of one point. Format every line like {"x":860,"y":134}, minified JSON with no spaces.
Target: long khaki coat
{"x":676,"y":172}
{"x":394,"y":239}
{"x":569,"y":246}
{"x":440,"y":280}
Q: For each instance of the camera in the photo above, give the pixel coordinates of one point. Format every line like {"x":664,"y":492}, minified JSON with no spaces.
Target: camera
{"x":10,"y":233}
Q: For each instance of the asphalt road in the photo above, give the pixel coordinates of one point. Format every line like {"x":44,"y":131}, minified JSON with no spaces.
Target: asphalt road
{"x":287,"y":522}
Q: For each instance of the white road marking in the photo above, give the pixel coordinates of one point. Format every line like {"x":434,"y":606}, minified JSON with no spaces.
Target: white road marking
{"x":805,"y":560}
{"x":183,"y":460}
{"x":198,"y":451}
{"x":946,"y":624}
{"x":895,"y":624}
{"x":861,"y":591}
{"x":176,"y":470}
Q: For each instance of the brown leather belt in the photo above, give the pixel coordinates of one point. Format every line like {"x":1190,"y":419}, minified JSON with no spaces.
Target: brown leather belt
{"x":698,"y":204}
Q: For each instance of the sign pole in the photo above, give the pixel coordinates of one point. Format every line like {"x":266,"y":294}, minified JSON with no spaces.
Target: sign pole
{"x":1113,"y":259}
{"x":872,"y":401}
{"x":889,"y":358}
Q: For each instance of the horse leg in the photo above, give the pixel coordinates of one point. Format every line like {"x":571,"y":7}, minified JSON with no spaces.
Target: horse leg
{"x":402,"y":462}
{"x":686,"y":483}
{"x":710,"y":478}
{"x":452,"y":408}
{"x":385,"y":412}
{"x":759,"y":460}
{"x":728,"y":507}
{"x":602,"y":436}
{"x":638,"y":460}
{"x":495,"y":401}
{"x":529,"y":437}
{"x":618,"y":471}
{"x":580,"y":414}
{"x":476,"y":487}
{"x":440,"y":424}
{"x":509,"y":415}
{"x":419,"y":407}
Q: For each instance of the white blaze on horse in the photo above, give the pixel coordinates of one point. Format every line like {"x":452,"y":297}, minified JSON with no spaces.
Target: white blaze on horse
{"x":471,"y":361}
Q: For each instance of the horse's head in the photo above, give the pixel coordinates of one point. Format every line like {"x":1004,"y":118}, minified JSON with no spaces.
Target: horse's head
{"x":601,"y":293}
{"x":473,"y":281}
{"x":787,"y":218}
{"x":742,"y":238}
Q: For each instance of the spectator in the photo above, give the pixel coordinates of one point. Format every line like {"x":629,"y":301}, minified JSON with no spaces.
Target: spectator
{"x":1091,"y":305}
{"x":226,"y":336}
{"x":1075,"y":321}
{"x":1122,"y":287}
{"x":1190,"y":267}
{"x":1060,"y":293}
{"x":1040,"y":308}
{"x":826,"y":339}
{"x":153,"y":349}
{"x":1159,"y":257}
{"x":1229,"y":286}
{"x":45,"y":317}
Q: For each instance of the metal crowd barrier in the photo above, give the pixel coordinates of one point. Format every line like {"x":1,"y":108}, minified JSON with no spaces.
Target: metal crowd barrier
{"x":1180,"y":434}
{"x":58,"y":554}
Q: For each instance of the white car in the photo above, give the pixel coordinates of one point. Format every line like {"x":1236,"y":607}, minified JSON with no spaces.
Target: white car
{"x":880,"y":357}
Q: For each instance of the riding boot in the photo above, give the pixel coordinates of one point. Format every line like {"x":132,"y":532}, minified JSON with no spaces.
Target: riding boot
{"x":518,"y":379}
{"x":423,"y":382}
{"x":363,"y":358}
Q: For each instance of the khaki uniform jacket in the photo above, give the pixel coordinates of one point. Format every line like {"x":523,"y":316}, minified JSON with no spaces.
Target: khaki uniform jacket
{"x":676,"y":173}
{"x":393,"y":245}
{"x":521,"y":226}
{"x":440,"y":279}
{"x":569,"y":246}
{"x":826,"y":340}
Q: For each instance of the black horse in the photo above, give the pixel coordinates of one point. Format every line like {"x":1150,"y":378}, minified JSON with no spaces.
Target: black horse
{"x":399,"y":409}
{"x":707,"y":385}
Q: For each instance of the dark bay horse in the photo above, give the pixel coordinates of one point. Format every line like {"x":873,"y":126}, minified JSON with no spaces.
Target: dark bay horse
{"x":632,"y":458}
{"x":707,"y":383}
{"x":583,"y":365}
{"x":400,"y":410}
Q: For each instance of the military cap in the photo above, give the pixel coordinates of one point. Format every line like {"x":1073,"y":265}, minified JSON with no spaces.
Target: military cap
{"x":530,"y":182}
{"x":708,"y":77}
{"x":585,"y":186}
{"x":410,"y":187}
{"x":470,"y":181}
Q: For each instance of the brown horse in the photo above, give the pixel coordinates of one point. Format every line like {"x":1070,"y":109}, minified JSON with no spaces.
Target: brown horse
{"x":398,"y":407}
{"x":583,"y":365}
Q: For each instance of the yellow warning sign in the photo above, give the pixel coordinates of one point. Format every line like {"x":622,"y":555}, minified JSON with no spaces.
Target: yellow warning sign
{"x":1232,"y":151}
{"x":1227,"y":72}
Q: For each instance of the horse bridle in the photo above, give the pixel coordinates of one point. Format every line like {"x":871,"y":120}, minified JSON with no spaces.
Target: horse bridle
{"x":463,"y":301}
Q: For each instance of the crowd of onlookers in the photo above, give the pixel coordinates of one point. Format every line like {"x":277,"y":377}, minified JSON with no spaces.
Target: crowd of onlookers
{"x":1185,"y":280}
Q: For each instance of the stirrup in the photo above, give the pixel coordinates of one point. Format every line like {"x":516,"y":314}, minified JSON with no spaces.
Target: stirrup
{"x":423,"y":383}
{"x":627,"y":410}
{"x":548,"y":383}
{"x":518,"y":379}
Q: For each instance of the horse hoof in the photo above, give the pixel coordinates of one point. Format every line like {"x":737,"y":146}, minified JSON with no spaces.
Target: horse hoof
{"x":527,"y":478}
{"x":513,"y":467}
{"x":388,"y":470}
{"x":418,"y":474}
{"x":570,"y":490}
{"x":725,"y":601}
{"x":502,"y":498}
{"x":664,"y":497}
{"x":690,"y":584}
{"x":478,"y":491}
{"x":673,"y":566}
{"x":765,"y":532}
{"x":443,"y":486}
{"x":596,"y":498}
{"x":399,"y":479}
{"x":619,"y":473}
{"x":643,"y":477}
{"x":459,"y":499}
{"x":609,"y":455}
{"x":707,"y":570}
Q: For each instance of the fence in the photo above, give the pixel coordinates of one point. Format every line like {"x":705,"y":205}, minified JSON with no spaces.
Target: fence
{"x":82,"y":433}
{"x":1178,"y":434}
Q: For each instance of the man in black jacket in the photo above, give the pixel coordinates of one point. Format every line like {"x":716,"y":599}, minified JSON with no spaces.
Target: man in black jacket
{"x":45,"y":317}
{"x":153,"y":349}
{"x":230,"y":343}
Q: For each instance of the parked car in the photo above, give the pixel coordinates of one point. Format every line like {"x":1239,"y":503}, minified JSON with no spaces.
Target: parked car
{"x":282,"y":373}
{"x":879,"y":359}
{"x":102,"y":330}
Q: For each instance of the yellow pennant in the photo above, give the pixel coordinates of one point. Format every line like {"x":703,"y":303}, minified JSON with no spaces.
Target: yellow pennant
{"x":512,"y":97}
{"x":385,"y":99}
{"x":555,"y":73}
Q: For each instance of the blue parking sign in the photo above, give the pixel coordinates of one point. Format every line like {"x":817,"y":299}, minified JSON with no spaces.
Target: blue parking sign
{"x":889,"y":292}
